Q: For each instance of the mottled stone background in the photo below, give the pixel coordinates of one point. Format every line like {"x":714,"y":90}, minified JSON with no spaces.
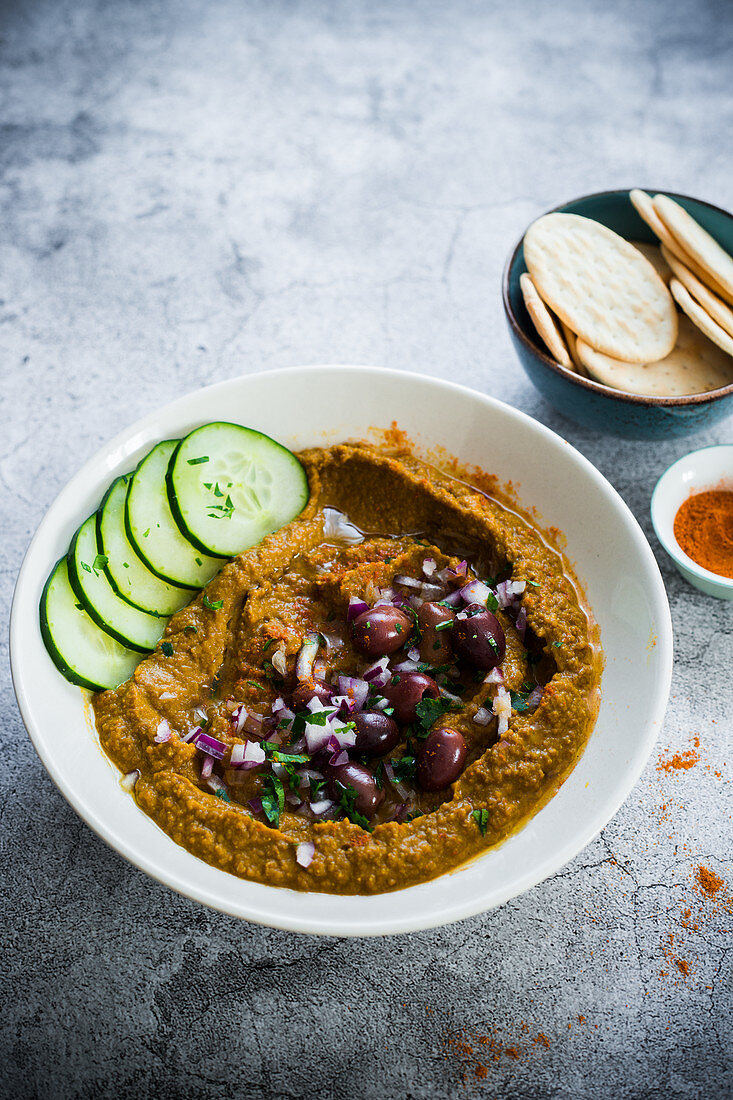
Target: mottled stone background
{"x":192,"y":190}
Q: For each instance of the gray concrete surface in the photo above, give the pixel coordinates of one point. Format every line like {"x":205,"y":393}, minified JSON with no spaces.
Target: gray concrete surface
{"x":194,"y":190}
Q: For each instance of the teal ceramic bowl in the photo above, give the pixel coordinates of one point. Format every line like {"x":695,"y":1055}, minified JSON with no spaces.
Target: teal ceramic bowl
{"x":588,"y":402}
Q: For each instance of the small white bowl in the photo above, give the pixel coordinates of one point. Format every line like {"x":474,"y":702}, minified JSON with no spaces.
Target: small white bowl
{"x":318,"y":406}
{"x":709,"y":468}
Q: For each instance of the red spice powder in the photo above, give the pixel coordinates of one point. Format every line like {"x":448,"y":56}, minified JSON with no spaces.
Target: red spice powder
{"x":708,"y":882}
{"x":681,"y":761}
{"x":703,"y":527}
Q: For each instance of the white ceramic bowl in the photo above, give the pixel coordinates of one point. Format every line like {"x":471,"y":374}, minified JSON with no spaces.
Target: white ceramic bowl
{"x":709,"y":468}
{"x":321,"y":405}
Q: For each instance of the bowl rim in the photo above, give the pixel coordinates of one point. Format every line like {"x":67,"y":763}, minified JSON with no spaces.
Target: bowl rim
{"x":671,"y":546}
{"x":572,"y":377}
{"x":266,"y":912}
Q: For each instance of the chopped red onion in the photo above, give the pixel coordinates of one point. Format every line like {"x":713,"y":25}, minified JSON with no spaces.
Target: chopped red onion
{"x":406,"y":666}
{"x":407,"y":582}
{"x":416,"y":602}
{"x":306,"y":657}
{"x":163,"y":732}
{"x":482,"y":717}
{"x":476,"y":592}
{"x":167,"y":695}
{"x":453,"y":599}
{"x":496,"y":676}
{"x":431,"y":591}
{"x":207,"y":767}
{"x":192,"y":735}
{"x":380,"y":703}
{"x":534,"y":698}
{"x":279,"y":661}
{"x":429,"y":566}
{"x":378,"y":674}
{"x":256,"y":804}
{"x":521,"y":623}
{"x":304,"y":853}
{"x":452,"y":698}
{"x":508,"y":591}
{"x":339,"y":758}
{"x":215,"y":784}
{"x":128,"y":781}
{"x":336,"y":525}
{"x":279,"y":770}
{"x":355,"y":688}
{"x":356,"y":607}
{"x":322,"y":806}
{"x":293,"y":799}
{"x":502,"y":725}
{"x":252,"y":754}
{"x":502,"y":708}
{"x":249,"y":721}
{"x":211,"y":745}
{"x":413,"y":653}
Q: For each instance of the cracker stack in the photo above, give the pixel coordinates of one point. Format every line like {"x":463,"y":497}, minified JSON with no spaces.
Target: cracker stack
{"x":606,"y":307}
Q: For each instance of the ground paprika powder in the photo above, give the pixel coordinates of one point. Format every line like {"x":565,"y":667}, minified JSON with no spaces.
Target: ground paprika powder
{"x":703,"y":527}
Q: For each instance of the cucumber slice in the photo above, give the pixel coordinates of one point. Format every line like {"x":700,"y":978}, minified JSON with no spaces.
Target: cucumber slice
{"x":128,"y":574}
{"x":129,"y":626}
{"x":229,"y":486}
{"x":152,"y":530}
{"x":82,"y":652}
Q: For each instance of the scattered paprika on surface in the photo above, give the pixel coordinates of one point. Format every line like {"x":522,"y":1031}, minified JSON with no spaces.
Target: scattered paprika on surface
{"x":703,"y":527}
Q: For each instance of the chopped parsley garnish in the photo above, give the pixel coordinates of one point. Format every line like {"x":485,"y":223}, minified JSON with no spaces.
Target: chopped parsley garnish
{"x":447,"y":625}
{"x":317,"y":788}
{"x":404,"y":768}
{"x":126,"y":564}
{"x":190,"y":630}
{"x":428,"y":712}
{"x":519,"y":700}
{"x":78,"y":606}
{"x":99,"y":562}
{"x":198,"y":461}
{"x":535,"y":584}
{"x":556,"y":645}
{"x":347,"y":802}
{"x":198,"y":561}
{"x":491,"y":602}
{"x":481,"y":817}
{"x":213,"y":605}
{"x":273,"y":798}
{"x":413,"y":814}
{"x":223,"y":795}
{"x":146,"y":533}
{"x":267,"y":644}
{"x":379,"y":775}
{"x":84,"y":565}
{"x":167,"y":649}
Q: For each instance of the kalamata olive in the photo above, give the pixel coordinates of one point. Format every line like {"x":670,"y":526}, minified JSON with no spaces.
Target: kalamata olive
{"x":376,"y":733}
{"x":312,"y":688}
{"x":405,"y":690}
{"x":358,"y":778}
{"x":441,"y":759}
{"x":381,"y":631}
{"x":435,"y":647}
{"x":479,"y":638}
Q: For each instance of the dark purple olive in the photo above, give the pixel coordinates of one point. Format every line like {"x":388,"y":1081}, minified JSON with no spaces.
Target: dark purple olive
{"x":441,"y":759}
{"x":479,"y":638}
{"x":376,"y":733}
{"x":358,"y":778}
{"x":405,"y":690}
{"x":381,"y":631}
{"x":435,"y":646}
{"x":312,"y":688}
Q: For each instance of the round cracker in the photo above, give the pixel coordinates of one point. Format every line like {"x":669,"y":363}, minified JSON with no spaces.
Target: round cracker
{"x":696,"y":241}
{"x":694,"y":366}
{"x":601,"y":287}
{"x":717,"y":309}
{"x":654,"y":255}
{"x":571,"y":340}
{"x":700,"y":318}
{"x":543,"y":322}
{"x":645,"y":209}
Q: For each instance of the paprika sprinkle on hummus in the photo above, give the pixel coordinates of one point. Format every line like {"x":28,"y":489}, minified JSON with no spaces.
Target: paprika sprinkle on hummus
{"x":703,"y":527}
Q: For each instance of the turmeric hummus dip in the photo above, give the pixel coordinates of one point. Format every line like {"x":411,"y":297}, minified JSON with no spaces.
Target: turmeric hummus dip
{"x":374,"y":694}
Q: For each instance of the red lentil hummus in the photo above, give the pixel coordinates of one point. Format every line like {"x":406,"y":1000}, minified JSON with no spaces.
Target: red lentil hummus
{"x":374,"y":694}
